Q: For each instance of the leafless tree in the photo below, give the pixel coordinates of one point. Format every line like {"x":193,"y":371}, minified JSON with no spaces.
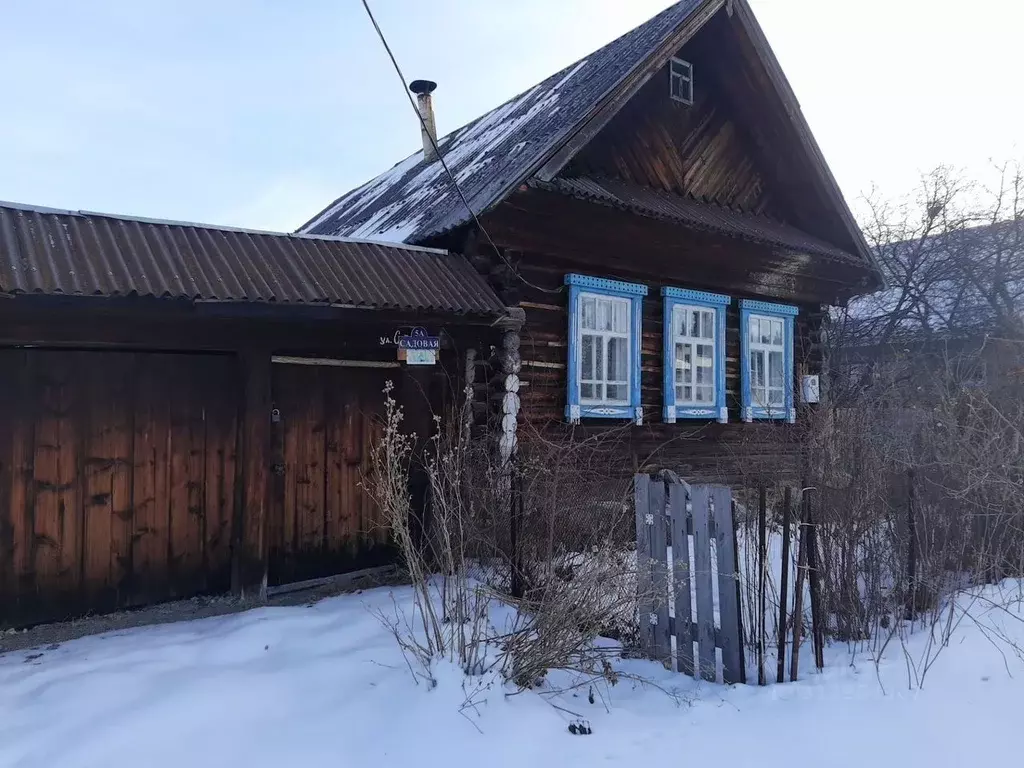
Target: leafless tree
{"x":918,"y":449}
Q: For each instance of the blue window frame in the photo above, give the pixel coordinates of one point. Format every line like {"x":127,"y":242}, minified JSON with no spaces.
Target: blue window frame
{"x":693,"y":356}
{"x":766,"y":367}
{"x":604,"y":349}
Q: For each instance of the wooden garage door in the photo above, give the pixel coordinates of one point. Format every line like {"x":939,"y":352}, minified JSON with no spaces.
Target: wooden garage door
{"x":321,"y":520}
{"x":117,"y":478}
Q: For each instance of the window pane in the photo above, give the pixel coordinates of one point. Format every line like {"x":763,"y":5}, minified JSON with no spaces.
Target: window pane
{"x":755,"y":329}
{"x":684,"y":363}
{"x":774,"y":396}
{"x":599,"y":359}
{"x":587,"y":358}
{"x":705,"y":395}
{"x":618,"y":352}
{"x":687,"y":394}
{"x":705,"y":355}
{"x":616,"y":391}
{"x":757,"y":369}
{"x":604,"y":321}
{"x":766,"y":331}
{"x":709,"y":325}
{"x":705,"y":367}
{"x":679,"y":390}
{"x":695,"y":324}
{"x":777,"y":333}
{"x":775,"y":369}
{"x":621,"y":314}
{"x":589,"y":314}
{"x":587,"y":391}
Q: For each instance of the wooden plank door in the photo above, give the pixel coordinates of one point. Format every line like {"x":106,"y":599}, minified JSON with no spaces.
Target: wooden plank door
{"x":326,"y":418}
{"x":117,"y":479}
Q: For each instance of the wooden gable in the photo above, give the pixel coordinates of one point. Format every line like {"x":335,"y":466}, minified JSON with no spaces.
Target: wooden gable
{"x":700,"y":150}
{"x":735,"y":146}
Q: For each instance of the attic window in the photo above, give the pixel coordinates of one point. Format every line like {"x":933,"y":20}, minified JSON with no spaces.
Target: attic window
{"x":681,"y":80}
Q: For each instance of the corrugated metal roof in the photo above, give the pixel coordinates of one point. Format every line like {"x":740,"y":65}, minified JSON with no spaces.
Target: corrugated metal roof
{"x":494,"y":153}
{"x":48,"y":252}
{"x":692,"y":213}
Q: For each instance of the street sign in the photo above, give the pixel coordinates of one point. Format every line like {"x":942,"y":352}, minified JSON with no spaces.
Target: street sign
{"x":419,"y":339}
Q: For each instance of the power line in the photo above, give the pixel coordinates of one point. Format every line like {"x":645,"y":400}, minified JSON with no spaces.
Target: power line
{"x":440,"y":157}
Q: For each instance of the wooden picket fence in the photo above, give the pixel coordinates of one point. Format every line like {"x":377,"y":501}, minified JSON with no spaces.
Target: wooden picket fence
{"x":677,"y":596}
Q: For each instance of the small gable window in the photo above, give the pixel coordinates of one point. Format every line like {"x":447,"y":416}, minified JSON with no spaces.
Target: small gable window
{"x":604,"y":349}
{"x":681,"y":80}
{"x":694,"y":355}
{"x":766,"y":345}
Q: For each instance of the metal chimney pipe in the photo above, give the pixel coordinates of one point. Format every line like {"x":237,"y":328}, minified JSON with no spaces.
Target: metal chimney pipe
{"x":423,"y":89}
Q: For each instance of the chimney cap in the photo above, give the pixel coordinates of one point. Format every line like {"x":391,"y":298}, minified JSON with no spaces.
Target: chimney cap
{"x":420,"y":87}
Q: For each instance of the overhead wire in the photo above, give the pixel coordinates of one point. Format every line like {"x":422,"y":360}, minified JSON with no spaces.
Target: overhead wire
{"x":437,"y":151}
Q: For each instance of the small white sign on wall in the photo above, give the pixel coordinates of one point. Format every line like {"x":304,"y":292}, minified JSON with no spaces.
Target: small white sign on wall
{"x":810,"y":388}
{"x":420,"y":356}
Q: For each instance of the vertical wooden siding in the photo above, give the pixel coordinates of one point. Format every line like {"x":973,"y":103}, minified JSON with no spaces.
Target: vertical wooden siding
{"x":321,"y":519}
{"x":117,"y":479}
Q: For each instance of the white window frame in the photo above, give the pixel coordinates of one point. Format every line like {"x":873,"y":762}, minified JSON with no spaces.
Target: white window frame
{"x":689,"y":300}
{"x":761,"y":397}
{"x":603,"y":338}
{"x":583,"y":288}
{"x":709,"y":315}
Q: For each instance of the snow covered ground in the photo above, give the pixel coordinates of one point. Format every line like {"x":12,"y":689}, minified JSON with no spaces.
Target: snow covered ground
{"x":325,"y":685}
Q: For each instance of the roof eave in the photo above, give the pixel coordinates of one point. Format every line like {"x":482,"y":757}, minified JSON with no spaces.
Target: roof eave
{"x":745,"y":16}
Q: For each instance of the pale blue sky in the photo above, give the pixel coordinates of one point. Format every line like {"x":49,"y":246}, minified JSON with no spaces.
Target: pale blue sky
{"x":260,"y":112}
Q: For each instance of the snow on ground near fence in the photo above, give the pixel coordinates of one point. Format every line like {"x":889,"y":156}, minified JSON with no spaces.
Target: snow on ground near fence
{"x":325,"y":685}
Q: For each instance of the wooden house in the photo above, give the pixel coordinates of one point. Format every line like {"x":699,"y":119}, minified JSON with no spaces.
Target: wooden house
{"x":664,"y":219}
{"x":185,"y":409}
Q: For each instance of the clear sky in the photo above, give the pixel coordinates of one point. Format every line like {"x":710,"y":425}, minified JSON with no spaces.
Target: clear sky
{"x":259,"y":113}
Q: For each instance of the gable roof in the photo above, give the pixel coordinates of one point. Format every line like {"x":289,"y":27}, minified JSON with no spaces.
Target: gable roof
{"x":540,"y":130}
{"x":48,"y":252}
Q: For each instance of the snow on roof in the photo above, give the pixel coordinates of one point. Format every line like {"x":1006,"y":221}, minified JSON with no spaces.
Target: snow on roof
{"x":942,"y":287}
{"x":495,"y":152}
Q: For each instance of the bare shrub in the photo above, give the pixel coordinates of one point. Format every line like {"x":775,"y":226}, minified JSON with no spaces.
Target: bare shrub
{"x":577,"y":582}
{"x":914,"y":460}
{"x":919,"y":453}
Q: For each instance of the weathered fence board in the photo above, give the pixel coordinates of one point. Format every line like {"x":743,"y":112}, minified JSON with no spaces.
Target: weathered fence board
{"x":662,"y":648}
{"x":677,"y":502}
{"x":704,"y":511}
{"x":700,"y":499}
{"x":728,"y":597}
{"x":642,"y":500}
